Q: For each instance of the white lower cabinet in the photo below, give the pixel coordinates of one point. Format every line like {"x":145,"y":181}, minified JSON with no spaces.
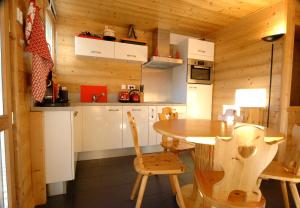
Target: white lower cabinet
{"x":153,"y":117}
{"x":140,"y":113}
{"x":102,"y":128}
{"x":59,"y":146}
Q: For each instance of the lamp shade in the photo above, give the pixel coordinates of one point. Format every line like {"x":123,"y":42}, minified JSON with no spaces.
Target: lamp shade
{"x":251,"y":98}
{"x":272,"y":38}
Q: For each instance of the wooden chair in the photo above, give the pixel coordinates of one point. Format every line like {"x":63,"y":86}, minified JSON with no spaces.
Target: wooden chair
{"x":289,"y":170}
{"x":164,"y":163}
{"x":175,"y":145}
{"x":240,"y":160}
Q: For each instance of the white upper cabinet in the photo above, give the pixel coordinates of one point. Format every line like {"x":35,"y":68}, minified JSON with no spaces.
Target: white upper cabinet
{"x":202,"y":50}
{"x":94,"y":47}
{"x":140,"y":114}
{"x":131,"y":52}
{"x":110,"y":49}
{"x":102,"y":128}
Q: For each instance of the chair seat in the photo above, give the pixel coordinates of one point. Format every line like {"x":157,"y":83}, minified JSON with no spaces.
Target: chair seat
{"x":277,"y":171}
{"x":205,"y":181}
{"x":179,"y":146}
{"x":159,"y":163}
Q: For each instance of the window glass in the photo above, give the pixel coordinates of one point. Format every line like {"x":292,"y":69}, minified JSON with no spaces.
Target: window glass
{"x":49,"y":34}
{"x":3,"y":176}
{"x":1,"y":84}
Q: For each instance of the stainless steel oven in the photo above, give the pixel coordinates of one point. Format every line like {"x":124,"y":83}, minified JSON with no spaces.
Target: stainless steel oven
{"x":199,"y":72}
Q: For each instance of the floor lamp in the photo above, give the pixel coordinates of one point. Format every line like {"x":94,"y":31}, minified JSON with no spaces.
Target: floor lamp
{"x":271,"y":38}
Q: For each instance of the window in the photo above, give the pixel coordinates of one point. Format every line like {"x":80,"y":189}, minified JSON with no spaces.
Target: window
{"x":50,"y":32}
{"x":6,"y":191}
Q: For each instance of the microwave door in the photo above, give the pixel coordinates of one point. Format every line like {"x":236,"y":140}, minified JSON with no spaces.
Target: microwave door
{"x":199,"y":75}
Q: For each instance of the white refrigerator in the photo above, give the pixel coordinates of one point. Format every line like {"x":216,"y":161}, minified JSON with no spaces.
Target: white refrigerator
{"x":199,"y":101}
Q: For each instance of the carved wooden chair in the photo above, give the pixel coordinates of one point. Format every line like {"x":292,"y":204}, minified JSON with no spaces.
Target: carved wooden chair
{"x":289,"y":170}
{"x":174,"y":145}
{"x":164,"y":163}
{"x":240,"y":160}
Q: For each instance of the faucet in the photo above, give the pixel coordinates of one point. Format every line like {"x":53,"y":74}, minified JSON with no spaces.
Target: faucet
{"x":95,"y":97}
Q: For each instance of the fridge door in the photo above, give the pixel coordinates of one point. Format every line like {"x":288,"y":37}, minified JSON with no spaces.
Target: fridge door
{"x":199,"y":101}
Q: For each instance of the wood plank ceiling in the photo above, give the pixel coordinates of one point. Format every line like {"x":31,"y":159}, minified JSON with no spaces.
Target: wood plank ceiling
{"x":196,"y":17}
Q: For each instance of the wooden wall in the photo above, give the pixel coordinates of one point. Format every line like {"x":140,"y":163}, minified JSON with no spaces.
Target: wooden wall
{"x":73,"y":71}
{"x":21,"y":76}
{"x":242,"y":59}
{"x":297,"y":12}
{"x":21,"y":108}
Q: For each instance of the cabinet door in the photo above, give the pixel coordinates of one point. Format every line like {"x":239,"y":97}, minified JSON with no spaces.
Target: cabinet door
{"x":93,"y":47}
{"x":198,"y":49}
{"x":131,"y":52}
{"x":199,"y":101}
{"x":59,"y":151}
{"x":153,"y":117}
{"x":77,"y":130}
{"x":102,"y":127}
{"x":140,"y":113}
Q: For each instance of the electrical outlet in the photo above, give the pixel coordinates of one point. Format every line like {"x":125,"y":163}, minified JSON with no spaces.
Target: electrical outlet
{"x":130,"y":87}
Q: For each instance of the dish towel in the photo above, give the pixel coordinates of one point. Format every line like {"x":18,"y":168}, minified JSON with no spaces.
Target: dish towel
{"x":41,"y":59}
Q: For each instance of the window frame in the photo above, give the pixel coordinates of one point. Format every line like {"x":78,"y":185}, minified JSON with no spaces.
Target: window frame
{"x":6,"y":119}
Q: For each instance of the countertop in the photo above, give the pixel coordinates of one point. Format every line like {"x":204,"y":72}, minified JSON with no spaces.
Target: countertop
{"x":33,"y":109}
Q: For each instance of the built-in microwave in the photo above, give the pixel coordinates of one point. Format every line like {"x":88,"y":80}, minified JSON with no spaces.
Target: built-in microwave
{"x":199,"y":72}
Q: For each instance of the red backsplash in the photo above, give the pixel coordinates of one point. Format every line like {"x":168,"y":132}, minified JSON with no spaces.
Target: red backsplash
{"x":87,"y":92}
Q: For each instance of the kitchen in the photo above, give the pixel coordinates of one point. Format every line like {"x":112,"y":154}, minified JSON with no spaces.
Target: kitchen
{"x":203,"y":60}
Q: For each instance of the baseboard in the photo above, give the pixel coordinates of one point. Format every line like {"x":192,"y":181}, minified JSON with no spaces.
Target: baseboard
{"x":116,"y":152}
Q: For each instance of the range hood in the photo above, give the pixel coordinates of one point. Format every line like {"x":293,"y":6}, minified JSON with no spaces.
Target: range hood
{"x":161,"y":46}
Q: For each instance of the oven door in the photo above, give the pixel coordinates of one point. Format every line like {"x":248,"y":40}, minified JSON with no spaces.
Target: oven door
{"x":199,"y":74}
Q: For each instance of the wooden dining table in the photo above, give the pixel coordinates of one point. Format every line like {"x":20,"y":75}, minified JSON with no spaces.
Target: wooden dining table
{"x":203,"y":134}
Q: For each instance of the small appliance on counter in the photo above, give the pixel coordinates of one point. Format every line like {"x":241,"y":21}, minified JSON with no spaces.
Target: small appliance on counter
{"x":134,"y":96}
{"x":55,"y":96}
{"x":90,"y":94}
{"x":124,"y":95}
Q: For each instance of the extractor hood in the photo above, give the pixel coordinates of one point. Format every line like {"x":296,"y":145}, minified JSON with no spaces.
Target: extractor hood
{"x":161,"y":46}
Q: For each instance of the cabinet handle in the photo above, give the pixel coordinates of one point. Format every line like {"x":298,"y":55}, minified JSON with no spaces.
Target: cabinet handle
{"x":136,"y":109}
{"x":114,"y":110}
{"x":193,"y":87}
{"x":201,"y":51}
{"x":98,"y":52}
{"x":75,"y":113}
{"x":128,"y":55}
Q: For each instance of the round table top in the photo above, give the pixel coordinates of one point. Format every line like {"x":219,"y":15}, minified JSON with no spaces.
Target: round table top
{"x":204,"y":131}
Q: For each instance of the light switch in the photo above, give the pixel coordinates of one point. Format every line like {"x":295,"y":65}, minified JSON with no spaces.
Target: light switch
{"x":19,"y":16}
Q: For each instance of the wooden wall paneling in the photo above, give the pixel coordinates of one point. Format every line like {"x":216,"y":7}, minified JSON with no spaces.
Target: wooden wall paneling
{"x":182,"y":17}
{"x":20,"y":63}
{"x":242,"y":59}
{"x":287,"y":64}
{"x":38,"y":158}
{"x":297,"y":15}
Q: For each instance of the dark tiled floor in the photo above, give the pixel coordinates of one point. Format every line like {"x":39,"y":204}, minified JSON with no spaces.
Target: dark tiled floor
{"x":106,"y":183}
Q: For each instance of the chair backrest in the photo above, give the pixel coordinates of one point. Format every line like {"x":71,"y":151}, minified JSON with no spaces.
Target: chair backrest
{"x":134,"y":133}
{"x":254,"y":116}
{"x":292,"y":156}
{"x":167,"y":114}
{"x":243,"y":157}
